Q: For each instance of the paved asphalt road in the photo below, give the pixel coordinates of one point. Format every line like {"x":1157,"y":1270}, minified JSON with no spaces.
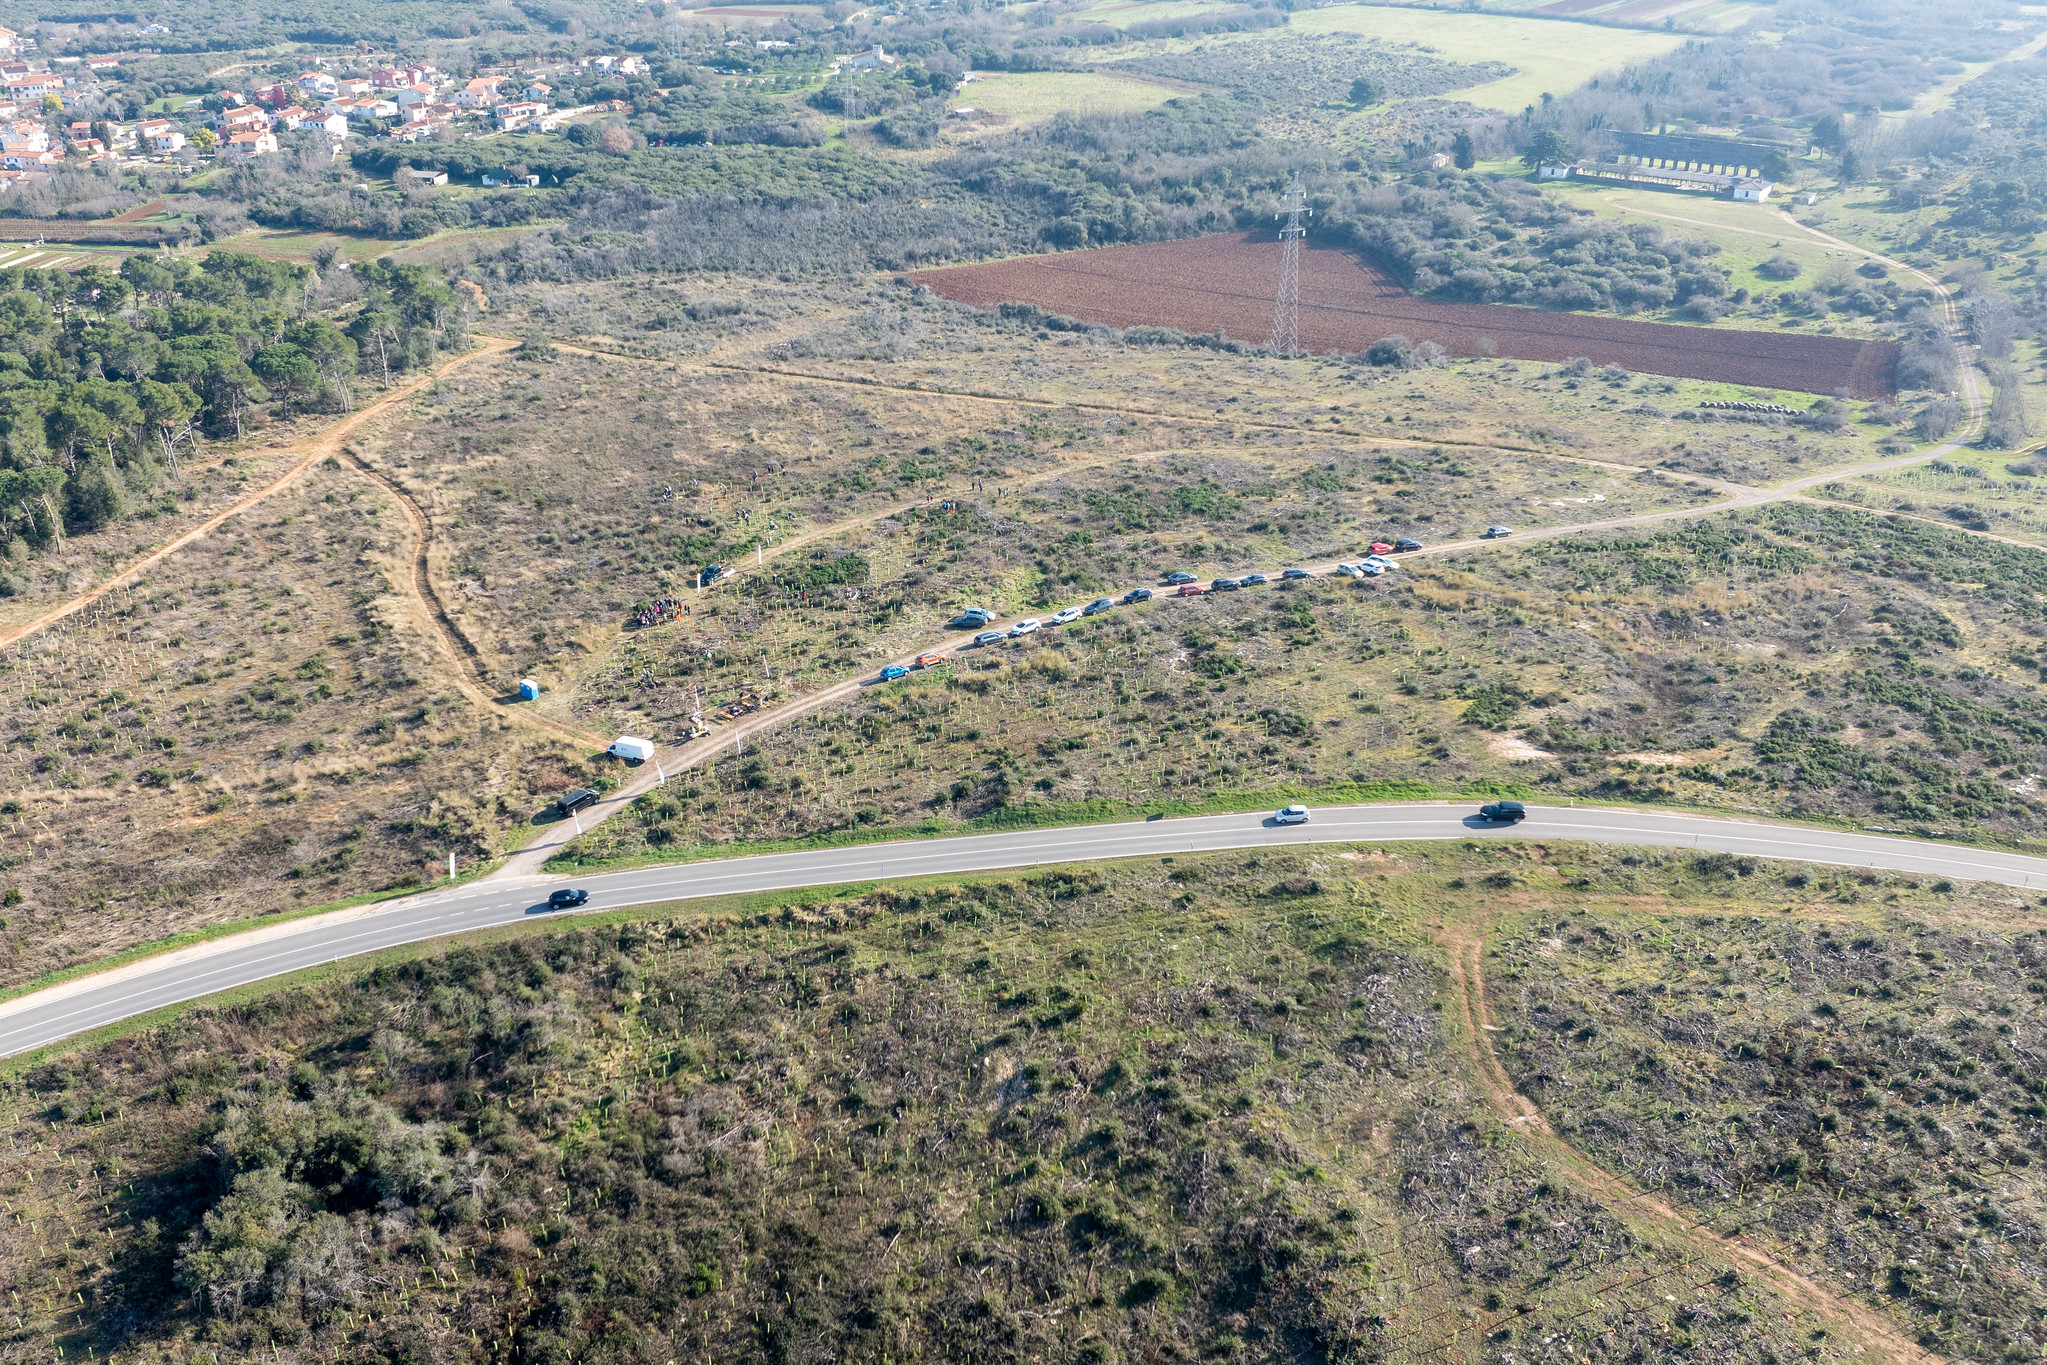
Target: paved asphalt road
{"x":48,"y":1016}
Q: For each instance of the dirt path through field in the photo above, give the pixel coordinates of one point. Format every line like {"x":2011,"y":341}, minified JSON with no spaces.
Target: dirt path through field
{"x":1193,"y":419}
{"x":1873,"y":1336}
{"x":325,"y":444}
{"x":1117,"y":409}
{"x":1971,"y":390}
{"x":530,"y":857}
{"x":434,"y":620}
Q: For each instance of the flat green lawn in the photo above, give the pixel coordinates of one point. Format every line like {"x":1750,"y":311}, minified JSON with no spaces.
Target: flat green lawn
{"x":175,"y":102}
{"x":1123,"y":13}
{"x":1716,"y":16}
{"x":1548,"y":55}
{"x":1034,"y":95}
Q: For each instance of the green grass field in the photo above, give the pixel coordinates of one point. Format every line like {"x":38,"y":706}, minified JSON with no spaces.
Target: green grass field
{"x":1036,"y":95}
{"x":1748,"y":235}
{"x":1123,"y":13}
{"x":1693,"y":16}
{"x":1549,"y":55}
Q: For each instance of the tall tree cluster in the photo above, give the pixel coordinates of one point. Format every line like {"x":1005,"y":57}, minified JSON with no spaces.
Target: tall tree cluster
{"x":110,"y":378}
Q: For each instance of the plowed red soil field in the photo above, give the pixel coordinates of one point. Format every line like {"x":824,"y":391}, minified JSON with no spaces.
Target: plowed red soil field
{"x":1227,"y":284}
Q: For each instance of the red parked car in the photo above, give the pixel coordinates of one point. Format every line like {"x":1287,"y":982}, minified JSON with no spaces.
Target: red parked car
{"x":1190,"y":590}
{"x":1380,"y":547}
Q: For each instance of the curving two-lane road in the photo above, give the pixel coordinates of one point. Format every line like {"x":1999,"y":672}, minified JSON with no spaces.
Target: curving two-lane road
{"x":51,"y":1015}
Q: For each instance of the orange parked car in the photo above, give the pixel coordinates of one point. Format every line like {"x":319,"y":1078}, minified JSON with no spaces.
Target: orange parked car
{"x":928,"y":660}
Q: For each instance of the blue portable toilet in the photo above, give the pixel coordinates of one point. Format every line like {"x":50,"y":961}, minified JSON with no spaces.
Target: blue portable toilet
{"x":529,"y":690}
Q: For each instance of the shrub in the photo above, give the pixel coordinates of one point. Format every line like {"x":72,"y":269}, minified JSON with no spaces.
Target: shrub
{"x":1395,"y":352}
{"x":1937,"y":419}
{"x":2007,"y":424}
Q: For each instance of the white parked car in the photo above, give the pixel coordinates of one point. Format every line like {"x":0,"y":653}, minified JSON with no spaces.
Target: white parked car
{"x":1350,"y":570}
{"x":1025,"y":627}
{"x":1290,"y":815}
{"x":1066,"y":614}
{"x":1371,"y":570}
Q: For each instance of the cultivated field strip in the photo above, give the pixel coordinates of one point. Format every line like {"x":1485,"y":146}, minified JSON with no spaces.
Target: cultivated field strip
{"x":1225,"y":284}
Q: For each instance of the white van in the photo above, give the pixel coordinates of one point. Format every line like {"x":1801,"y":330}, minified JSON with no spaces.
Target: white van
{"x":631,"y":749}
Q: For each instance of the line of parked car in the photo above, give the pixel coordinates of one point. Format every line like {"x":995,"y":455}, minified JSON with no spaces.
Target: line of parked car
{"x":1378,"y":560}
{"x":981,"y":616}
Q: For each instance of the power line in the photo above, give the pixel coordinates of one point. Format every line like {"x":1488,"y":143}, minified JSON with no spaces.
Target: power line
{"x":1286,"y":313}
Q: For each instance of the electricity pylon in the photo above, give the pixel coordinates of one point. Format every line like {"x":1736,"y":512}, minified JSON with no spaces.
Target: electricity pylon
{"x":1286,"y":314}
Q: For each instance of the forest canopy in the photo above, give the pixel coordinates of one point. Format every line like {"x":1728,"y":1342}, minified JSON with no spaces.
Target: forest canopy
{"x":110,"y":377}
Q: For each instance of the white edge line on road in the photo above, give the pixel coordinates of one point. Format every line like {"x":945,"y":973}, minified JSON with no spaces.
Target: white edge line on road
{"x":1418,"y":822}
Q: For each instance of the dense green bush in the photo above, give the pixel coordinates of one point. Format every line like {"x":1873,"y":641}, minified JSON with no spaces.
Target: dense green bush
{"x":1497,"y":239}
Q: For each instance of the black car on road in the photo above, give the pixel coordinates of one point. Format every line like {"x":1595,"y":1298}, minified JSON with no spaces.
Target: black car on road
{"x":575,"y":800}
{"x":567,"y":898}
{"x":1137,"y":595}
{"x":1502,"y":812}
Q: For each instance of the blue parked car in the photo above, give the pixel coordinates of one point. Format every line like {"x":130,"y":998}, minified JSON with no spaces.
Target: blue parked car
{"x":894,"y":671}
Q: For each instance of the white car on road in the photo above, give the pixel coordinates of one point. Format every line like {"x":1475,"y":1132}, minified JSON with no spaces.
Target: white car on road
{"x":1025,"y":627}
{"x":1065,"y":615}
{"x":1290,"y":815}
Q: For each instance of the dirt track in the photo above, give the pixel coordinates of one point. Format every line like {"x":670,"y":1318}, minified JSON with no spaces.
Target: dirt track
{"x":474,"y":680}
{"x":1650,"y":1216}
{"x":327,"y":443}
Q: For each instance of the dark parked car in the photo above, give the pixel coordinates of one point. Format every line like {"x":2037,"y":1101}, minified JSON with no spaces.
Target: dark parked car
{"x":1294,"y":573}
{"x":1137,"y":595}
{"x":1402,"y":547}
{"x":1179,"y":576}
{"x":575,"y":800}
{"x":1253,"y":580}
{"x":1224,"y":585}
{"x":1503,"y":812}
{"x":567,"y":897}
